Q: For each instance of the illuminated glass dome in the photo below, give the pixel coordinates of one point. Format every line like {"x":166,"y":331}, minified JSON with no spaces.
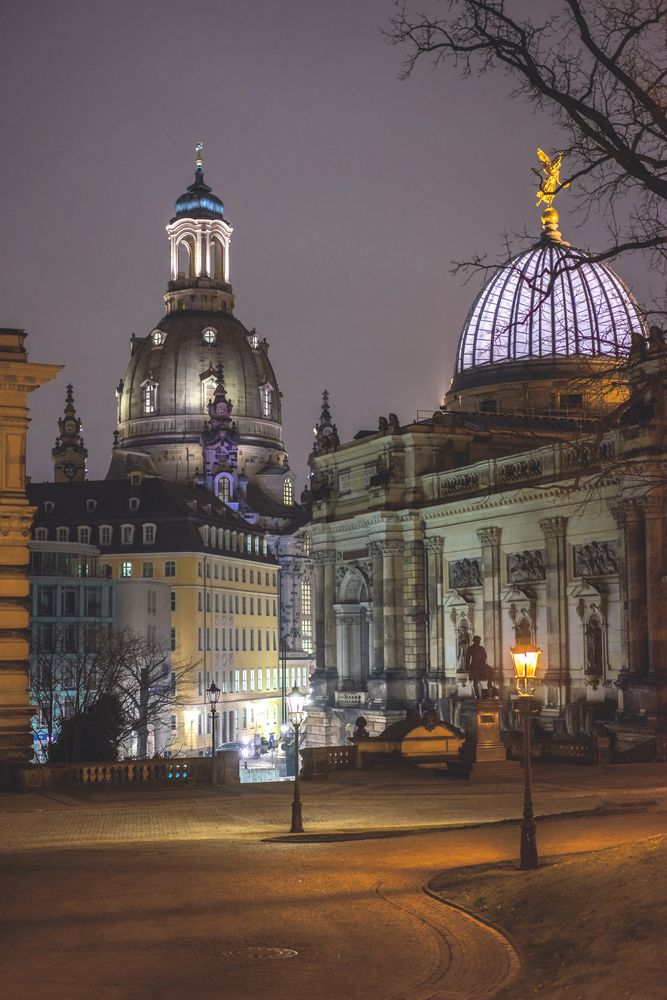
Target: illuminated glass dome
{"x":548,"y":303}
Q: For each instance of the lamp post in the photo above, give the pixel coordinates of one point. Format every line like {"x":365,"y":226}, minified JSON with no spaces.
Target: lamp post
{"x":295,"y":701}
{"x":213,"y":696}
{"x":525,"y":659}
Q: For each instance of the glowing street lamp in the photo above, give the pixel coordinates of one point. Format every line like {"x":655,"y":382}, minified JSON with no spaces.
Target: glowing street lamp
{"x":295,"y":702}
{"x":525,"y":658}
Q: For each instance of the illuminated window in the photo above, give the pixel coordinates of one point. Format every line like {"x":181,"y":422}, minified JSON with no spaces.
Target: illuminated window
{"x":307,"y":545}
{"x":288,"y":492}
{"x":149,"y":397}
{"x":209,"y":336}
{"x":157,"y":337}
{"x":126,"y":569}
{"x":266,"y":394}
{"x":224,"y":489}
{"x":306,"y":616}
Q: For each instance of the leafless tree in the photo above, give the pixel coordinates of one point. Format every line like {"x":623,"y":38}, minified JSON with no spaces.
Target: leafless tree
{"x":599,"y":67}
{"x":73,"y":666}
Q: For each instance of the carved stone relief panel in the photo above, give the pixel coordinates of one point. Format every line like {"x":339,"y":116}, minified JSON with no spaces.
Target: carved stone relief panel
{"x":596,"y":559}
{"x":526,"y":567}
{"x":465,"y":573}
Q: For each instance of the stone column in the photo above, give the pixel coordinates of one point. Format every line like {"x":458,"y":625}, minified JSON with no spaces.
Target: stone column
{"x":558,"y":674}
{"x":318,"y":580}
{"x":436,"y":638}
{"x":392,"y":577}
{"x":631,"y":578}
{"x":18,"y":377}
{"x":377,"y":648}
{"x":414,"y":620}
{"x":344,"y":622}
{"x":490,"y":541}
{"x":329,"y":560}
{"x":656,"y":608}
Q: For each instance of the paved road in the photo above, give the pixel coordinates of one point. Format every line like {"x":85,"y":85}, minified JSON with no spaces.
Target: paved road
{"x":151,"y":898}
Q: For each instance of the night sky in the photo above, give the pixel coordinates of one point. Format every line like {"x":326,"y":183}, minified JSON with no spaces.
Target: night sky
{"x":349,"y":190}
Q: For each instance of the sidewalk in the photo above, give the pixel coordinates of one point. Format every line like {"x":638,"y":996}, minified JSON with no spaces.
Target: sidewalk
{"x":350,"y":803}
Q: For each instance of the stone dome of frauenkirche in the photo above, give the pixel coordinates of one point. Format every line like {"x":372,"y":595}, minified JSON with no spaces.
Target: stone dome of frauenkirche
{"x":549,"y":315}
{"x":173,"y":372}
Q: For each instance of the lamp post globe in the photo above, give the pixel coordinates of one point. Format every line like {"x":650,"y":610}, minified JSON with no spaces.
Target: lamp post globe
{"x":525,"y":657}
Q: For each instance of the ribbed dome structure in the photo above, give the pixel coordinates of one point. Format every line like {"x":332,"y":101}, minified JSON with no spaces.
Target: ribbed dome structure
{"x":548,"y":302}
{"x":199,"y":202}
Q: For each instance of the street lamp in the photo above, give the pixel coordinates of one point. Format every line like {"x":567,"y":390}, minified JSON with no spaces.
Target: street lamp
{"x":295,"y":701}
{"x":525,"y":657}
{"x":213,"y":696}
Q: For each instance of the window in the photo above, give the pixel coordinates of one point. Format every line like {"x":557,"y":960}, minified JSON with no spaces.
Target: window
{"x":149,"y":532}
{"x":243,"y":605}
{"x":266,"y":394}
{"x":252,"y":680}
{"x":173,"y":601}
{"x":41,"y":534}
{"x":244,"y":685}
{"x":209,"y":336}
{"x":259,"y":639}
{"x":126,"y":534}
{"x":157,"y":337}
{"x":248,"y":544}
{"x":149,"y":397}
{"x":126,"y":569}
{"x":252,"y":580}
{"x":173,"y":637}
{"x":170,"y":568}
{"x":237,"y":674}
{"x":105,"y":534}
{"x":91,"y":505}
{"x":49,"y":506}
{"x":62,"y":534}
{"x":204,"y":533}
{"x":134,"y":503}
{"x":306,"y":616}
{"x":488,"y":406}
{"x":252,"y":600}
{"x":224,"y":489}
{"x":288,"y":492}
{"x":344,"y":481}
{"x":571,"y":399}
{"x":147,"y":569}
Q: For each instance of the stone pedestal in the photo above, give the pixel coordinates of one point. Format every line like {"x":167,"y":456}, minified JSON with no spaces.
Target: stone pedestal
{"x":482,"y":724}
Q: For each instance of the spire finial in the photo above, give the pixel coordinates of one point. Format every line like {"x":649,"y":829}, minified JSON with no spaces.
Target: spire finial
{"x":199,"y":149}
{"x":549,"y":187}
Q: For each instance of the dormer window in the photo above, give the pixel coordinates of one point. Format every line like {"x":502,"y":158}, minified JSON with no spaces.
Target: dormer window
{"x":62,"y":534}
{"x":126,"y":534}
{"x":83,"y":534}
{"x":209,"y":336}
{"x":49,"y":506}
{"x":157,"y":337}
{"x":149,"y":396}
{"x":149,"y":532}
{"x":91,"y":505}
{"x":41,"y":534}
{"x":254,"y":341}
{"x":134,"y":503}
{"x":266,"y":395}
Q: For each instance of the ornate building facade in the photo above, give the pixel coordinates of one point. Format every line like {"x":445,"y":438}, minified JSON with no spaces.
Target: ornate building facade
{"x":529,"y":507}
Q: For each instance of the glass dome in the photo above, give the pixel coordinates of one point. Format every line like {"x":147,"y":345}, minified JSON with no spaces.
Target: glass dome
{"x":549,"y":302}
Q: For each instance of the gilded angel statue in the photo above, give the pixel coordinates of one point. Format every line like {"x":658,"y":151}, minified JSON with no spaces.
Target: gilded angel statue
{"x":551,"y":185}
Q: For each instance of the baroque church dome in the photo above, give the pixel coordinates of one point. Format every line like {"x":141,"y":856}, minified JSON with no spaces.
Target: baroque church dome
{"x":164,"y":400}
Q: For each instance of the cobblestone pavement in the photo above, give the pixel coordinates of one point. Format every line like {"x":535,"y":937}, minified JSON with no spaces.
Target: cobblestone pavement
{"x":189,"y":894}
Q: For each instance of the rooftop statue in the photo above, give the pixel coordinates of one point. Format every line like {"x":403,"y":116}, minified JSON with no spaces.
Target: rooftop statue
{"x":551,"y":185}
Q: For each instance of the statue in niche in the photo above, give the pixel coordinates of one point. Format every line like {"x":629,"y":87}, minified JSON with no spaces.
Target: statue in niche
{"x":462,"y":645}
{"x":593,"y":646}
{"x":523,"y":631}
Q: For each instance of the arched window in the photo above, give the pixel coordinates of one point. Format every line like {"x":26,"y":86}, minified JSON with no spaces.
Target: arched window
{"x":306,"y":616}
{"x":149,"y":397}
{"x":288,"y":492}
{"x":217,"y":261}
{"x":186,"y":263}
{"x":266,"y":394}
{"x":307,"y":545}
{"x":224,"y":489}
{"x":248,"y":543}
{"x":207,"y":392}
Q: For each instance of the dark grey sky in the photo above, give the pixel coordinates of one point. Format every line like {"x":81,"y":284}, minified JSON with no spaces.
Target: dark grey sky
{"x":350,"y":192}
